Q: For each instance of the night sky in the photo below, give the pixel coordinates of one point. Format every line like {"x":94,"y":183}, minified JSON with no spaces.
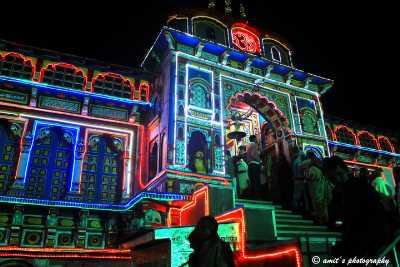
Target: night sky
{"x":353,"y":45}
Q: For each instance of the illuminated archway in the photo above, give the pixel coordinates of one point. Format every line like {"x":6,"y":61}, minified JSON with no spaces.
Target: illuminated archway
{"x":267,"y":109}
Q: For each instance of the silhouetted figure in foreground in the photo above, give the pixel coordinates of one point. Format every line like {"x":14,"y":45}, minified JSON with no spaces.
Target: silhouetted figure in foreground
{"x":209,"y":249}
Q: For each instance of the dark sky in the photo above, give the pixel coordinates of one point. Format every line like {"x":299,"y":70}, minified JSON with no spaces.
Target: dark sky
{"x":353,"y":45}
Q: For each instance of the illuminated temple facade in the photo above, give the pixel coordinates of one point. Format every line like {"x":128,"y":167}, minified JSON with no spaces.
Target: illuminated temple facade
{"x":96,"y":158}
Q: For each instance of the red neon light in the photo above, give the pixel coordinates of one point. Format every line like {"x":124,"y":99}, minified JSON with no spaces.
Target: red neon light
{"x":68,"y":253}
{"x":387,"y":141}
{"x":237,"y":216}
{"x":199,"y":197}
{"x":52,"y":66}
{"x":124,"y":81}
{"x":370,"y":135}
{"x":245,"y":40}
{"x":337,"y":128}
{"x":205,"y":177}
{"x":26,"y":60}
{"x":144,"y":87}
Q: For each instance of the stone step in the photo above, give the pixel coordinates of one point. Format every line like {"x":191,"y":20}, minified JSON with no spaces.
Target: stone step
{"x":299,"y":227}
{"x":283,"y":211}
{"x":298,"y":233}
{"x":279,"y":216}
{"x":294,"y":221}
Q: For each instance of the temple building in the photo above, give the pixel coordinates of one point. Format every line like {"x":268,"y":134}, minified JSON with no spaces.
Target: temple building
{"x":113,"y":165}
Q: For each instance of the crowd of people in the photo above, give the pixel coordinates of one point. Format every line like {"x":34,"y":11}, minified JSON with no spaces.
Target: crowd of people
{"x":360,"y":203}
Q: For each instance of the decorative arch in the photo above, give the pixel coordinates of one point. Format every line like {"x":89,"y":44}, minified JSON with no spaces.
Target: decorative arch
{"x":219,"y":28}
{"x":113,"y":84}
{"x":16,"y":65}
{"x":385,"y":144}
{"x":266,"y":108}
{"x":63,"y":74}
{"x":200,"y":93}
{"x":344,"y":134}
{"x":367,"y":139}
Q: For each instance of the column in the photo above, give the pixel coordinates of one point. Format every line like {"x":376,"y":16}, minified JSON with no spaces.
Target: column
{"x":22,"y":167}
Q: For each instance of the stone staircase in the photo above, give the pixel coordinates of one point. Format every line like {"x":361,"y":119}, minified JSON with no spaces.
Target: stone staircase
{"x":315,"y":240}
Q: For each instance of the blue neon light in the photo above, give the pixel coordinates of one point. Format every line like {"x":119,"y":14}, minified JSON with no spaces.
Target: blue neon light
{"x":185,"y":39}
{"x":73,"y":91}
{"x":259,"y":63}
{"x":281,"y":69}
{"x":119,"y":207}
{"x":299,"y":75}
{"x":237,"y":56}
{"x":214,"y":48}
{"x":364,"y":148}
{"x":76,"y":128}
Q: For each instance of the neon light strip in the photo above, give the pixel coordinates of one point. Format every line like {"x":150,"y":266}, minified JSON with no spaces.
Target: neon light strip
{"x":80,"y":250}
{"x":95,"y":206}
{"x":130,"y":133}
{"x":73,"y":91}
{"x":237,"y":215}
{"x":337,"y":128}
{"x":176,"y":105}
{"x":191,"y":204}
{"x":370,"y":135}
{"x":186,"y":112}
{"x":63,"y":256}
{"x":266,"y":88}
{"x":21,"y":141}
{"x":221,"y":111}
{"x":169,"y":29}
{"x":77,"y":129}
{"x":388,"y":141}
{"x":323,"y":124}
{"x":364,"y":148}
{"x":244,"y":73}
{"x":126,"y":173}
{"x":65,"y":113}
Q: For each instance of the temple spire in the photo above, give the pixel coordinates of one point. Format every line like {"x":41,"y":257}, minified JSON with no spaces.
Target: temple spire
{"x":242,"y":11}
{"x":211,"y":4}
{"x":228,"y":8}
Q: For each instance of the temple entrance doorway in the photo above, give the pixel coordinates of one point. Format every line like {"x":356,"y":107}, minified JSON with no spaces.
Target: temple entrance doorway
{"x":252,"y":115}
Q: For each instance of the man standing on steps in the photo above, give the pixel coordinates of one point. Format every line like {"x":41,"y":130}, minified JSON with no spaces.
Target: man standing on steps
{"x":254,"y":166}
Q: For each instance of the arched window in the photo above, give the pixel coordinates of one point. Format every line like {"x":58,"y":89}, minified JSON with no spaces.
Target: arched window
{"x":16,"y":65}
{"x":345,"y":135}
{"x":102,"y":169}
{"x":276,"y":54}
{"x":113,"y":84}
{"x":210,"y":34}
{"x":199,"y":96}
{"x":210,"y":29}
{"x":63,"y":74}
{"x":153,"y":161}
{"x":385,"y":144}
{"x":9,"y":151}
{"x":51,"y":162}
{"x":367,"y":140}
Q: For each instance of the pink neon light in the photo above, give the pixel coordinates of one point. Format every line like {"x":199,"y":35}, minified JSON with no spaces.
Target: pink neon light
{"x":141,"y":157}
{"x":26,"y":60}
{"x":69,"y":114}
{"x":52,"y":66}
{"x":124,"y":81}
